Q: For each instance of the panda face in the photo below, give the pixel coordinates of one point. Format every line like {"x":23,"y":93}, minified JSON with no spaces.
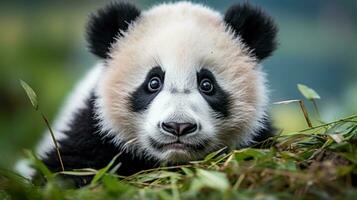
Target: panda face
{"x":179,"y":112}
{"x":180,"y":84}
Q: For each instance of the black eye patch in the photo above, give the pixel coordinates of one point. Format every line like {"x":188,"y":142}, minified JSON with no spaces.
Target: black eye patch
{"x":141,"y":98}
{"x":218,"y":99}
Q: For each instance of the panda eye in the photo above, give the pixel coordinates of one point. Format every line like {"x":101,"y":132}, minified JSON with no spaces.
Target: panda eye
{"x":154,"y":84}
{"x":206,"y":86}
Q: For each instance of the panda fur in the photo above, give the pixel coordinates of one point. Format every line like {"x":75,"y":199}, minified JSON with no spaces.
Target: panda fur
{"x":186,"y":48}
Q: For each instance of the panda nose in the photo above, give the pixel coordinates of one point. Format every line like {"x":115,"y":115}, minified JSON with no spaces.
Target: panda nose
{"x":179,"y":129}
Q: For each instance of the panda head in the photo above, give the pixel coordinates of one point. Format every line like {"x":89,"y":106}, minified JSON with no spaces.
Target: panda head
{"x":180,"y":79}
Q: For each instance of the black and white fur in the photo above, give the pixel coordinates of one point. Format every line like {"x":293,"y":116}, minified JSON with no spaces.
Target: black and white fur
{"x":111,"y":111}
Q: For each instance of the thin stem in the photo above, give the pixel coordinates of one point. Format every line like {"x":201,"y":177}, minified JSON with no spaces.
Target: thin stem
{"x":330,"y":123}
{"x":316,"y":108}
{"x":155,"y":169}
{"x":306,"y":115}
{"x":54,"y":140}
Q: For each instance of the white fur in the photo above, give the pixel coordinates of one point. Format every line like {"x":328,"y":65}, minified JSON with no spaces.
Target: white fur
{"x":23,"y":168}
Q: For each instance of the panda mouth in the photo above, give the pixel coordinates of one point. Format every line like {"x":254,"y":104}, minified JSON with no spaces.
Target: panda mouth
{"x":177,"y":145}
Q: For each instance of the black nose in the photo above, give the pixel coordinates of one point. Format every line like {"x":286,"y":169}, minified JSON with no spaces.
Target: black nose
{"x":179,"y":129}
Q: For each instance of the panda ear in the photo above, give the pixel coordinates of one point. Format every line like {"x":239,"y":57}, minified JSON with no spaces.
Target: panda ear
{"x":107,"y":24}
{"x":256,"y":29}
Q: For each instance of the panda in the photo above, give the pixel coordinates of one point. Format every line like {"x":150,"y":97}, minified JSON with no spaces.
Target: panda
{"x":173,"y":84}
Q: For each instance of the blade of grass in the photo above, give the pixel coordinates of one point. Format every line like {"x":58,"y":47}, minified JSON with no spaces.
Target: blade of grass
{"x":102,"y":171}
{"x":33,"y":98}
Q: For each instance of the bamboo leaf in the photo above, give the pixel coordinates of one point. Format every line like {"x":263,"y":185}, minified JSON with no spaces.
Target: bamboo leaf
{"x":104,"y":170}
{"x":187,"y":171}
{"x":338,"y":138}
{"x":286,"y":102}
{"x":249,"y":153}
{"x":75,"y":173}
{"x":213,"y":154}
{"x":213,"y":179}
{"x":39,"y":165}
{"x":307,"y":92}
{"x":30,"y":94}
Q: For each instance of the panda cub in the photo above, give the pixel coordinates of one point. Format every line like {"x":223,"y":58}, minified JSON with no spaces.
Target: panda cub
{"x":175,"y":82}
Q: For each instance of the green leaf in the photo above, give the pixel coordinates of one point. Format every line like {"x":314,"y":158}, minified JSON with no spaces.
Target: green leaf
{"x":286,"y":102}
{"x":30,"y":93}
{"x":350,"y":156}
{"x":164,"y":195}
{"x":104,"y":170}
{"x":118,"y":188}
{"x":39,"y":165}
{"x":243,"y":154}
{"x":213,"y":154}
{"x":155,"y":175}
{"x":77,"y":173}
{"x":174,"y":189}
{"x":213,"y":179}
{"x":338,"y":138}
{"x":307,"y":92}
{"x":187,"y":171}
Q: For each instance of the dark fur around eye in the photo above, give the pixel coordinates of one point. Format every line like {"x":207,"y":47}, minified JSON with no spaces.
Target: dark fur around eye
{"x":218,"y":99}
{"x":142,"y":97}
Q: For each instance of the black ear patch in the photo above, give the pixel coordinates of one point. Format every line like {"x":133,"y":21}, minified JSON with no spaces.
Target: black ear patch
{"x":256,"y":29}
{"x":106,"y":25}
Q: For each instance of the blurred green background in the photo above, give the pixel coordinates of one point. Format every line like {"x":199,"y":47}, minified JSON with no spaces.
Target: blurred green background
{"x":42,"y":42}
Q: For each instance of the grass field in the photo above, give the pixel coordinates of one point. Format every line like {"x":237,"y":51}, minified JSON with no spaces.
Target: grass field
{"x":319,"y":162}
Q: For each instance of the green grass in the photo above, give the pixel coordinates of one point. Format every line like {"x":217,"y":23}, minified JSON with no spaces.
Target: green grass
{"x":318,"y":162}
